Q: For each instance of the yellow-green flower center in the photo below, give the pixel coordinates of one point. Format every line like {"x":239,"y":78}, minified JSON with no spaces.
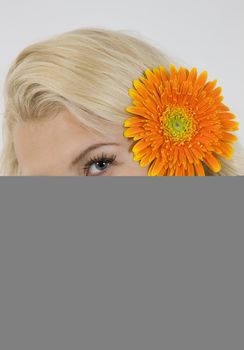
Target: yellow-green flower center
{"x":178,"y":123}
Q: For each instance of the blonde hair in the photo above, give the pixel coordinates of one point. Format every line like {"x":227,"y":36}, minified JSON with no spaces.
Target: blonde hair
{"x":87,"y":71}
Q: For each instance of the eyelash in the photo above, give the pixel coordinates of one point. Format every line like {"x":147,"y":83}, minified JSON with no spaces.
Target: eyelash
{"x":103,"y":157}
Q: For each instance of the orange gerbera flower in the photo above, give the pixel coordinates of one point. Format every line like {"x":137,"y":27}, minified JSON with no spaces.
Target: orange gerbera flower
{"x":179,"y":123}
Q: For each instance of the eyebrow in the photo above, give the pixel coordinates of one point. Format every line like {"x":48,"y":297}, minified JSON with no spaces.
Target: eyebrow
{"x":89,"y":149}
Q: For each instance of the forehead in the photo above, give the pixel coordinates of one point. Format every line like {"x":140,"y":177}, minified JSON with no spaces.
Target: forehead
{"x":43,"y":144}
{"x":48,"y":129}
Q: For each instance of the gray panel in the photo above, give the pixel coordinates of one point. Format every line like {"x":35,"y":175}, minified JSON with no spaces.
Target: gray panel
{"x":121,"y":263}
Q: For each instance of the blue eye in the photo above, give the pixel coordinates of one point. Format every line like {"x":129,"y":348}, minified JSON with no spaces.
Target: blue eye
{"x":98,"y":165}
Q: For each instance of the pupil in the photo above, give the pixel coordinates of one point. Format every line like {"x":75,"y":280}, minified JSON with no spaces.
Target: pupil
{"x":101,"y":163}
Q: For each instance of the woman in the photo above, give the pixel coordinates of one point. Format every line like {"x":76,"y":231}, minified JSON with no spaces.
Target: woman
{"x":65,"y":106}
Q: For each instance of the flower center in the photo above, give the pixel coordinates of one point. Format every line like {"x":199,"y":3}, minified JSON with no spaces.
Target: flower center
{"x":178,"y":123}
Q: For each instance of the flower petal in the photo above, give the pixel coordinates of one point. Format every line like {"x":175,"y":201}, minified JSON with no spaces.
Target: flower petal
{"x":133,"y":121}
{"x":227,"y":150}
{"x":140,"y":145}
{"x":137,"y":110}
{"x":209,"y":86}
{"x":134,"y":131}
{"x":145,"y":160}
{"x":201,"y":80}
{"x":212,"y":162}
{"x":162,"y":172}
{"x":229,"y":137}
{"x":134,"y":94}
{"x":182,"y":75}
{"x":199,"y":169}
{"x":188,"y":155}
{"x":163,"y":73}
{"x":230,"y":126}
{"x":157,"y":166}
{"x":173,"y":72}
{"x":140,"y":88}
{"x":192,"y":75}
{"x":179,"y":170}
{"x":190,"y":169}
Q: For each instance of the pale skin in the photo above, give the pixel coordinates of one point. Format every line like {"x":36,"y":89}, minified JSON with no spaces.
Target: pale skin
{"x":49,"y":148}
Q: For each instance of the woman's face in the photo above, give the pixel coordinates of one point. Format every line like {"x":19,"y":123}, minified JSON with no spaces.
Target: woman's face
{"x":61,"y":146}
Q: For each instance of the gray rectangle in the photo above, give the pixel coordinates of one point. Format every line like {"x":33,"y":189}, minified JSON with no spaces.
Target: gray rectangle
{"x":121,"y":263}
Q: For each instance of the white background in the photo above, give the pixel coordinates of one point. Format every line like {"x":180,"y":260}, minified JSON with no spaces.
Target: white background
{"x":206,"y":34}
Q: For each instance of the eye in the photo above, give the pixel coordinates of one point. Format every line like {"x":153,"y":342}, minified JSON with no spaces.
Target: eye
{"x":98,"y":165}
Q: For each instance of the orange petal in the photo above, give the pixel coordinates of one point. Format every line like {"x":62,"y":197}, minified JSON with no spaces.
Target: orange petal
{"x":167,"y":172}
{"x":175,"y":154}
{"x":163,"y":73}
{"x":137,"y":110}
{"x":152,"y":77}
{"x":196,"y":152}
{"x":148,"y":83}
{"x":173,"y":72}
{"x":153,"y":154}
{"x":210,"y":85}
{"x":151,"y":106}
{"x":151,"y":167}
{"x":149,"y":170}
{"x":192,"y":75}
{"x":162,"y":172}
{"x":201,"y":80}
{"x":179,"y":170}
{"x":182,"y":155}
{"x":172,"y":171}
{"x":199,"y":169}
{"x":140,"y":88}
{"x":190,"y":170}
{"x":212,"y":162}
{"x":227,"y":150}
{"x":225,"y":115}
{"x":223,"y":107}
{"x":134,"y":94}
{"x":184,"y":172}
{"x":182,"y":75}
{"x":131,"y":132}
{"x":148,"y":74}
{"x":133,"y":121}
{"x":145,"y":160}
{"x":188,"y":155}
{"x":216,"y":92}
{"x":140,"y":145}
{"x":139,"y":155}
{"x":157,"y":166}
{"x":157,"y":73}
{"x":230,"y":126}
{"x":229,"y":137}
{"x":138,"y":137}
